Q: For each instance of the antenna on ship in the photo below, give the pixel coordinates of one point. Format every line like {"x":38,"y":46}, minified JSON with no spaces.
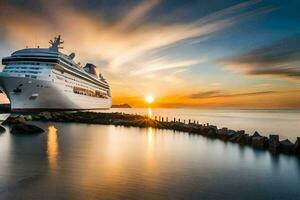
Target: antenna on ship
{"x":55,"y":43}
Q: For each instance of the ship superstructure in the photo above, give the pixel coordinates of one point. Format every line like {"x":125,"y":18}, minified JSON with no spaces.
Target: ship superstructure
{"x":46,"y":79}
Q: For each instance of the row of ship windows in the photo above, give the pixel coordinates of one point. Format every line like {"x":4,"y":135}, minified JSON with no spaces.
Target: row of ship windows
{"x":84,"y":87}
{"x":85,"y":84}
{"x":78,"y":71}
{"x":46,"y":86}
{"x":87,"y":94}
{"x":30,"y":76}
{"x":30,"y":72}
{"x":82,"y":91}
{"x":29,"y":63}
{"x":13,"y":67}
{"x":68,"y":81}
{"x":79,"y":83}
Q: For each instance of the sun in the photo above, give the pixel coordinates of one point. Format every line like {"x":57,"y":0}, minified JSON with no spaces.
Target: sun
{"x":149,"y":99}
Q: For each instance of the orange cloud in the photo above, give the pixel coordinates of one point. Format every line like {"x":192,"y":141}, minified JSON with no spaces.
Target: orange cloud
{"x":255,"y":100}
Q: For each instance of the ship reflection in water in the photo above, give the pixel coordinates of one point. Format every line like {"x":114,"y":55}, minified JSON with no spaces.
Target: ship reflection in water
{"x":52,"y":147}
{"x":109,"y":162}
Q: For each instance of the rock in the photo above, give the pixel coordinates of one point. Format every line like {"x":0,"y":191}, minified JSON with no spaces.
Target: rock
{"x":28,"y":117}
{"x":238,"y":137}
{"x":2,"y":129}
{"x":19,"y":119}
{"x":286,"y":146}
{"x":212,"y":133}
{"x":14,"y":120}
{"x":56,"y":116}
{"x":240,"y":132}
{"x":234,"y":138}
{"x":36,"y":117}
{"x":45,"y":115}
{"x":259,"y":142}
{"x":230,"y":134}
{"x":226,"y":134}
{"x":213,"y":127}
{"x":297,"y":146}
{"x":241,"y":139}
{"x":256,"y":134}
{"x":274,"y":143}
{"x":222,"y":130}
{"x":117,"y":122}
{"x":248,"y":139}
{"x":26,"y":129}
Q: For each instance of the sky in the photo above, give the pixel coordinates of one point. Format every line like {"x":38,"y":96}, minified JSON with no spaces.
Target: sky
{"x":186,"y":54}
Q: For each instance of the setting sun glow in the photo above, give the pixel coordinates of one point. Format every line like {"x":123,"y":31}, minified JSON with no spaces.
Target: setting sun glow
{"x":149,"y":99}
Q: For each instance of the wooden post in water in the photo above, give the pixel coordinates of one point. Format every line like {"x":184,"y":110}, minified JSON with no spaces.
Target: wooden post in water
{"x":167,"y":119}
{"x":155,"y":118}
{"x":162,"y":119}
{"x":189,"y":121}
{"x":179,"y":120}
{"x":159,"y":118}
{"x":174,"y":119}
{"x":184,"y":121}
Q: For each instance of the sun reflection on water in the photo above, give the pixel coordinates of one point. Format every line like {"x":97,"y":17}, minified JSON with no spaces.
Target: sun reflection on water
{"x":150,"y":112}
{"x":150,"y":137}
{"x":151,"y":158}
{"x":52,"y":146}
{"x":150,"y":147}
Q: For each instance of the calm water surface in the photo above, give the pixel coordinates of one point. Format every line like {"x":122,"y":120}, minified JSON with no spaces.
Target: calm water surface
{"x":285,"y":123}
{"x":78,"y":161}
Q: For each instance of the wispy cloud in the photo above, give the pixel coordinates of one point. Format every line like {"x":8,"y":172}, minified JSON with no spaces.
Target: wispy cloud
{"x":137,"y":14}
{"x":220,"y":93}
{"x":281,"y":59}
{"x":164,"y":64}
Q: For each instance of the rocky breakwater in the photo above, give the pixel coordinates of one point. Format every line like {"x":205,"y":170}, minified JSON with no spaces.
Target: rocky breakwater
{"x":18,"y":126}
{"x":256,"y":140}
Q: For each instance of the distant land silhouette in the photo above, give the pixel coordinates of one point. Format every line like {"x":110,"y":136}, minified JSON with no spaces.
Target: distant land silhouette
{"x":125,"y":105}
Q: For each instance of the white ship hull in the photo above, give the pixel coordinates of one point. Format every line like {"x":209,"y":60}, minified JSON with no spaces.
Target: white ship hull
{"x":38,"y":79}
{"x":51,"y":96}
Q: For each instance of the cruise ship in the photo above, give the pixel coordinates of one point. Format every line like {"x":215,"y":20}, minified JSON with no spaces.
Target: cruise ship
{"x":44,"y":79}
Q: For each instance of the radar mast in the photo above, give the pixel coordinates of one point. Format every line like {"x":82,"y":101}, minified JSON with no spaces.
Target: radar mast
{"x":55,"y":44}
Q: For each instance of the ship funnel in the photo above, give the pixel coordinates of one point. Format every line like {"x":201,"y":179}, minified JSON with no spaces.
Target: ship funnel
{"x":72,"y":56}
{"x":91,"y":69}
